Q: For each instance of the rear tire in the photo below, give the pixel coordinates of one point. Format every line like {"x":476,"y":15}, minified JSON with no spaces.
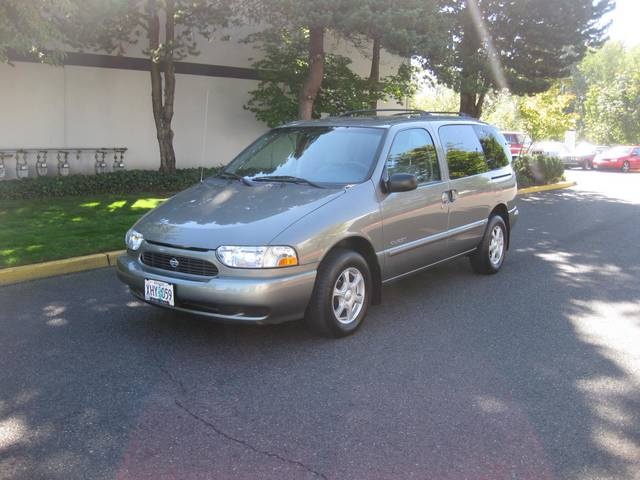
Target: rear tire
{"x":626,"y":166}
{"x":341,"y":295}
{"x":489,"y":256}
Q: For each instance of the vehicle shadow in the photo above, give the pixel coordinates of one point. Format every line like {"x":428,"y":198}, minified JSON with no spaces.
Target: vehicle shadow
{"x":531,"y":374}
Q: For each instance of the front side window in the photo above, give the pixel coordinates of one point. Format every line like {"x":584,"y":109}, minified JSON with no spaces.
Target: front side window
{"x":496,"y":151}
{"x":465,"y":156}
{"x":332,"y":155}
{"x":413,"y":152}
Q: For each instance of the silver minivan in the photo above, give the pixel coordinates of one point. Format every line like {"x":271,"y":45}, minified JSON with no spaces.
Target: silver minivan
{"x":314,"y":217}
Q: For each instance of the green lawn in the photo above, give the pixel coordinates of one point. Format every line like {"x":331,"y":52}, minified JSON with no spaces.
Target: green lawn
{"x":40,"y":230}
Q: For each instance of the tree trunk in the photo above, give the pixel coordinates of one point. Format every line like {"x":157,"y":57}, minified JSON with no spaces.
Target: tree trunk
{"x":168,"y":163}
{"x":472,"y":92}
{"x":374,"y":75}
{"x":471,"y":103}
{"x":313,"y":82}
{"x":162,"y":63}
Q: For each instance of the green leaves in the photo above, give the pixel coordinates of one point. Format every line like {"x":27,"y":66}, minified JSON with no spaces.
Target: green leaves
{"x":537,"y":170}
{"x":28,"y":28}
{"x":111,"y":25}
{"x":548,"y":115}
{"x":127,"y":182}
{"x":283,"y":70}
{"x":535,"y":43}
{"x":607,"y":83}
{"x":404,"y":27}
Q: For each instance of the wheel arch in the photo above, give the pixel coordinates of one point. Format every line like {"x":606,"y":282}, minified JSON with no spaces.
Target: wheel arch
{"x":502,"y":211}
{"x":364,"y":247}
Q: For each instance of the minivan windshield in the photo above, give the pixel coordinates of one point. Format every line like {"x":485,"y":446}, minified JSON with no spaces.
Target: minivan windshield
{"x":331,"y":155}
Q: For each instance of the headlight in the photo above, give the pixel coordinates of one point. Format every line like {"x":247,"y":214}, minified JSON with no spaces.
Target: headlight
{"x":133,"y":239}
{"x":257,"y":257}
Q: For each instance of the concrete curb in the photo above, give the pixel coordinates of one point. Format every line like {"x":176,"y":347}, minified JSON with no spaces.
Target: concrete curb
{"x":12,"y":275}
{"x":545,"y":188}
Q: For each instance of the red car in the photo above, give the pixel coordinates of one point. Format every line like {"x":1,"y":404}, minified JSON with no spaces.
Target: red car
{"x":622,"y":158}
{"x":518,"y":142}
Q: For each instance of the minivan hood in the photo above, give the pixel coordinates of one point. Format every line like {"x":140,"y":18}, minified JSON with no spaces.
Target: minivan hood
{"x":227,"y":212}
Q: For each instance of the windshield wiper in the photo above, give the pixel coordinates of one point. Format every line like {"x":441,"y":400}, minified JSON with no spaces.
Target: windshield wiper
{"x":244,"y":180}
{"x":287,"y":179}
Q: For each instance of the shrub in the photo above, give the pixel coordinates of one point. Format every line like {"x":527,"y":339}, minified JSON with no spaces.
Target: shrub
{"x":123,"y":182}
{"x":538,"y":170}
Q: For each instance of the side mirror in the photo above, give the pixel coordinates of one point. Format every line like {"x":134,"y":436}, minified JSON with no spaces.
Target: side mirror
{"x":401,"y":182}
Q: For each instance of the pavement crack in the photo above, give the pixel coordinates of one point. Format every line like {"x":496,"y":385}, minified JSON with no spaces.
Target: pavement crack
{"x":176,"y":381}
{"x":247,"y":445}
{"x":172,"y":378}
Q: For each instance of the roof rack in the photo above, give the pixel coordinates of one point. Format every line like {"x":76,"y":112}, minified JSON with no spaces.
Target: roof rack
{"x":399,"y":112}
{"x":459,"y":114}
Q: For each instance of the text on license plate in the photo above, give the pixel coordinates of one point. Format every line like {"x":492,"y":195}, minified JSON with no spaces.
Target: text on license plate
{"x":156,"y":291}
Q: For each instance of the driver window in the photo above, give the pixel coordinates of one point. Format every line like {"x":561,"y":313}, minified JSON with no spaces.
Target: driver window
{"x":413,"y":152}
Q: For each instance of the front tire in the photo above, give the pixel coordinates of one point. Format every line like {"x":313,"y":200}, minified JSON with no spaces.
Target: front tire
{"x":489,"y":257}
{"x":341,"y":296}
{"x":626,"y":166}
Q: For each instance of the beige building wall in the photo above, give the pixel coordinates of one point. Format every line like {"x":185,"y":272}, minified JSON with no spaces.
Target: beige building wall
{"x":79,"y":106}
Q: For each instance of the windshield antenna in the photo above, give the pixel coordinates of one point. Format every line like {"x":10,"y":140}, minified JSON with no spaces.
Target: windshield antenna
{"x":201,"y":173}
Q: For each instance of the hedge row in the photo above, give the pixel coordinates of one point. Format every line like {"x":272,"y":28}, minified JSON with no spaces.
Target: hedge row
{"x":123,"y":182}
{"x":538,"y":170}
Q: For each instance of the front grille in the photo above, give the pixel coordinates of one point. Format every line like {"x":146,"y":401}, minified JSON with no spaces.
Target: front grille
{"x":192,"y":266}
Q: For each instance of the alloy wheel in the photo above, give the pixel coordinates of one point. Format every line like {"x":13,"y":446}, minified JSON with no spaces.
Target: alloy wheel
{"x":348,"y":295}
{"x":496,"y":245}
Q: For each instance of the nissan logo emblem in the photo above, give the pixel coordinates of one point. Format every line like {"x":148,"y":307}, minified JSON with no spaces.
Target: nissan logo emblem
{"x":174,"y":263}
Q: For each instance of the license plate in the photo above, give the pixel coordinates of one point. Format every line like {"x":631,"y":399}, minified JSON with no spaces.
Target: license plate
{"x":159,"y":292}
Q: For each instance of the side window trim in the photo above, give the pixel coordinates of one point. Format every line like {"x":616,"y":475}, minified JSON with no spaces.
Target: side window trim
{"x":385,"y":171}
{"x":443,"y":146}
{"x":499,"y":138}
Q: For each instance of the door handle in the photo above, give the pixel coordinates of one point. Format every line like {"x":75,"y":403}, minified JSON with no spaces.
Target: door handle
{"x":449,"y":196}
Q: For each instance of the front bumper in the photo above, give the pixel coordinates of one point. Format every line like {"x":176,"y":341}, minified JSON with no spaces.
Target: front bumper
{"x":272,"y":297}
{"x":607,"y":164}
{"x":575,"y":161}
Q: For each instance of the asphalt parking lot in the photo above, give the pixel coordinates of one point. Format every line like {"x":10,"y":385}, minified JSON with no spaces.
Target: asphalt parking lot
{"x":533,"y":373}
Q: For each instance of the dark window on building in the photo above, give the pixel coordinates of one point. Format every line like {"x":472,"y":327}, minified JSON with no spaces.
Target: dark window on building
{"x":494,"y":146}
{"x":465,"y":156}
{"x":413,"y":152}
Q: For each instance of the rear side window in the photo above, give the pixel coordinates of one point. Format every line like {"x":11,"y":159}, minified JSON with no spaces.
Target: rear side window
{"x":465,"y":155}
{"x":413,"y":152}
{"x":494,"y":147}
